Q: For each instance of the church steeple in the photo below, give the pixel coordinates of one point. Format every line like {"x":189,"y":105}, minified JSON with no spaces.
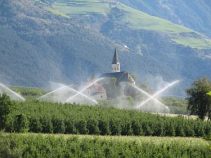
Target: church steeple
{"x":115,"y":62}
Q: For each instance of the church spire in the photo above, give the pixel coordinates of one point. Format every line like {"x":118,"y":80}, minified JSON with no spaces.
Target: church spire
{"x":115,"y":62}
{"x":115,"y":58}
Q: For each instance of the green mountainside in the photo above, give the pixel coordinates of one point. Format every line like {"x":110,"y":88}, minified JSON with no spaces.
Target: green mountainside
{"x":193,"y":14}
{"x":131,"y":17}
{"x":72,"y":40}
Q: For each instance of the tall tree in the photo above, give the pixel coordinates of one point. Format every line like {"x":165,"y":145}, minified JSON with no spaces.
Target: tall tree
{"x":199,"y":103}
{"x":5,"y":108}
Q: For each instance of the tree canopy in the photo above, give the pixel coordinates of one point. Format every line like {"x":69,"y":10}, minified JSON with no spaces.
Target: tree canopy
{"x":199,"y":103}
{"x":5,"y":108}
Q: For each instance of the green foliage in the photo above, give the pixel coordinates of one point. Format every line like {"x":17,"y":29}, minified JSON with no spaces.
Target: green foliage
{"x":47,"y":126}
{"x":92,"y":126}
{"x":29,"y":92}
{"x":176,"y":105}
{"x":70,"y":127}
{"x":81,"y":127}
{"x":58,"y":125}
{"x":133,"y":18}
{"x":199,"y":102}
{"x":104,"y":127}
{"x":43,"y":117}
{"x":21,"y":123}
{"x":45,"y":146}
{"x":5,"y":109}
{"x":115,"y":127}
{"x":137,"y":128}
{"x":36,"y":125}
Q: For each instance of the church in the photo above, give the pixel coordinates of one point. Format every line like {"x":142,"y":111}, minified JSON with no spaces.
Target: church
{"x":120,"y":76}
{"x":106,"y":90}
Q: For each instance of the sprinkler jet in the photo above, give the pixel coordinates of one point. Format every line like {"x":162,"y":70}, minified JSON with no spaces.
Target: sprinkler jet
{"x":83,"y":89}
{"x":153,"y":97}
{"x":9,"y":91}
{"x":83,"y":95}
{"x":158,"y":93}
{"x":77,"y":93}
{"x":147,"y":94}
{"x":71,"y":89}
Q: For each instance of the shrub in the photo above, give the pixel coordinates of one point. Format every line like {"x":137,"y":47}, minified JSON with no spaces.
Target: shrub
{"x":58,"y":126}
{"x":104,"y":127}
{"x":6,"y":107}
{"x":35,"y":125}
{"x":47,"y":126}
{"x":81,"y":127}
{"x":92,"y":126}
{"x":21,"y":123}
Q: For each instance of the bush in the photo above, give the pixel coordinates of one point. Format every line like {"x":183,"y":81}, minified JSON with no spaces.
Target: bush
{"x":47,"y":126}
{"x":70,"y":127}
{"x":115,"y":127}
{"x":35,"y":125}
{"x":81,"y":127}
{"x":127,"y":129}
{"x":6,"y":107}
{"x":21,"y":123}
{"x":58,"y":126}
{"x":92,"y":126}
{"x":104,"y":127}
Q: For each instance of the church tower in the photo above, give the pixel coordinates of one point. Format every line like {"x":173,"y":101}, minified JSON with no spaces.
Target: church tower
{"x":115,"y":62}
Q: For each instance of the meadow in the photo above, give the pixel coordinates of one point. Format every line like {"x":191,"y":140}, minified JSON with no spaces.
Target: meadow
{"x":46,"y":145}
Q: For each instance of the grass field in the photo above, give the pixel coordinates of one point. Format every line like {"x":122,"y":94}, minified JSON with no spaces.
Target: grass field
{"x":187,"y":141}
{"x":48,"y":145}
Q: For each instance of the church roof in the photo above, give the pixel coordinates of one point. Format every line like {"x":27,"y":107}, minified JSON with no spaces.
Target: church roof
{"x":120,"y":76}
{"x":115,"y":58}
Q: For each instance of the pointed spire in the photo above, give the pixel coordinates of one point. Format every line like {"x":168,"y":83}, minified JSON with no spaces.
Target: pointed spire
{"x":115,"y":58}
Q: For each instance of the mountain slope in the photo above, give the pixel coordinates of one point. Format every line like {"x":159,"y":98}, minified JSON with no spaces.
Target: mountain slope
{"x":71,"y":40}
{"x":131,"y":17}
{"x":193,"y":14}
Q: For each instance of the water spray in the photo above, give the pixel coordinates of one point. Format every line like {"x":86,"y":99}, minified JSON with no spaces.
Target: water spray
{"x":148,"y":95}
{"x":11,"y":91}
{"x":75,"y":91}
{"x":83,"y":89}
{"x":80,"y":93}
{"x":158,"y":93}
{"x":60,"y":88}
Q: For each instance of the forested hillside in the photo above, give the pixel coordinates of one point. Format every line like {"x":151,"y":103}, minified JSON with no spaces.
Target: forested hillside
{"x":193,"y":14}
{"x":71,"y":40}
